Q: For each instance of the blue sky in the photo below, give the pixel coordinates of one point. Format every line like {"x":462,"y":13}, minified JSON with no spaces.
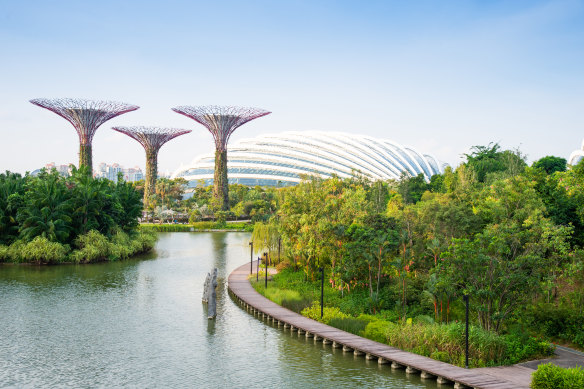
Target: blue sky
{"x":441,"y":76}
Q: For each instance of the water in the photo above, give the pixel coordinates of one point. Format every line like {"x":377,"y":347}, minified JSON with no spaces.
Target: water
{"x":141,"y":323}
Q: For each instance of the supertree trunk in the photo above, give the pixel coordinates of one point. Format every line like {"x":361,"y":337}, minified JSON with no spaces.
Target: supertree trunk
{"x":221,"y":122}
{"x":85,"y":156}
{"x":220,"y":183}
{"x":151,"y":175}
{"x":152,"y":139}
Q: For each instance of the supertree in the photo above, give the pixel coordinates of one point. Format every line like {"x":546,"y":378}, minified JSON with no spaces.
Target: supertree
{"x":152,"y":139}
{"x":86,"y":116}
{"x":221,"y":122}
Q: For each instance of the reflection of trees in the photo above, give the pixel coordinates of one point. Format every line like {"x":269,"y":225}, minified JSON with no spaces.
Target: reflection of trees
{"x":95,"y":277}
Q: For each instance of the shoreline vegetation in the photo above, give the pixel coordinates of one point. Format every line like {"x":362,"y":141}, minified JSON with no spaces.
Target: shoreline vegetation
{"x":400,"y":256}
{"x":419,"y":334}
{"x":51,"y":219}
{"x":203,"y":226}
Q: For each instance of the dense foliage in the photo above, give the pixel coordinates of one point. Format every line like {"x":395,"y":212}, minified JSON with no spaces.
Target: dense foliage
{"x":550,"y":376}
{"x":507,"y":234}
{"x":174,"y":201}
{"x":51,"y":219}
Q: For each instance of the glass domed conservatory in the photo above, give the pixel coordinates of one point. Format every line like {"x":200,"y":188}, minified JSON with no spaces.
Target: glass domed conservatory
{"x":282,"y":159}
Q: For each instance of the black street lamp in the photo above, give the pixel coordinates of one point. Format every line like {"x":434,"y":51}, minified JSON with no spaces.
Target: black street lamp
{"x":279,"y":248}
{"x":258,"y":270}
{"x":321,"y":291}
{"x":266,"y":261}
{"x":466,"y":298}
{"x":251,"y":258}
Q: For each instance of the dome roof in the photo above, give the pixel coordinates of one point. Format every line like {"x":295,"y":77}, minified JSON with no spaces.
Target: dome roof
{"x":281,"y":159}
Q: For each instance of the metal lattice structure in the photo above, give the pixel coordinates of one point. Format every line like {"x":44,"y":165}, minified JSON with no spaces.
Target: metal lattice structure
{"x":221,"y":123}
{"x":152,"y":139}
{"x":86,"y":116}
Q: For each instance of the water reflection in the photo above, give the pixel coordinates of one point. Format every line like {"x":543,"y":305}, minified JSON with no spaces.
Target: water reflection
{"x":142,"y":323}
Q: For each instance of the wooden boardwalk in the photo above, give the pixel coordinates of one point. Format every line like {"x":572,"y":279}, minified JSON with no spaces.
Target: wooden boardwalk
{"x":445,"y":373}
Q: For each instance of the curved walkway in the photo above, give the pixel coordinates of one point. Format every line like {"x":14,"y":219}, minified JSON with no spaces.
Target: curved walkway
{"x":243,"y":292}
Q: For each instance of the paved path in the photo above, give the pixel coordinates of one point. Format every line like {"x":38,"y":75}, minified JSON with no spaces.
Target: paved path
{"x":242,"y":290}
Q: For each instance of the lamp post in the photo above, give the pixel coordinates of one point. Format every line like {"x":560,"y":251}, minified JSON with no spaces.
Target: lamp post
{"x":258,"y":270}
{"x":266,"y":261}
{"x":466,"y":298}
{"x":279,"y":248}
{"x":251,"y":258}
{"x":321,"y":291}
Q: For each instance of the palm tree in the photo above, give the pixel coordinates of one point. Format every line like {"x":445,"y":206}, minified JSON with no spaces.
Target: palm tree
{"x":46,"y":209}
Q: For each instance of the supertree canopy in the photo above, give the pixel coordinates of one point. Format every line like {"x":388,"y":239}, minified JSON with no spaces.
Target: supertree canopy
{"x":221,"y":123}
{"x":152,"y":139}
{"x":86,"y":116}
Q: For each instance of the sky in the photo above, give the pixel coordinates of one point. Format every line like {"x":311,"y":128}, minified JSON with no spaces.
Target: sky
{"x":440,"y":76}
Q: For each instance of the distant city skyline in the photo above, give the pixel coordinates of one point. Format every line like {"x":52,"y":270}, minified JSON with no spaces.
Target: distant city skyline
{"x":440,"y":76}
{"x":101,"y":170}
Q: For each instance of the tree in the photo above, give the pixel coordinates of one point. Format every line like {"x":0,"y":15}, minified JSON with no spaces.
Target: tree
{"x":12,"y":188}
{"x":504,"y":265}
{"x":46,"y":209}
{"x":551,"y":164}
{"x":488,"y":160}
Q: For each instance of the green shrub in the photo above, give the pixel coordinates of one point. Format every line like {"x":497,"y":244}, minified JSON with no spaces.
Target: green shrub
{"x":3,"y":253}
{"x":349,"y":324}
{"x":521,"y":347}
{"x":329,"y":313}
{"x":15,"y":251}
{"x":41,"y":250}
{"x":562,"y":323}
{"x":377,"y":330}
{"x":93,"y":247}
{"x":423,"y":319}
{"x":549,"y":376}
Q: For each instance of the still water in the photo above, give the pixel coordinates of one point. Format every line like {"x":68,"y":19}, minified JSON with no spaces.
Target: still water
{"x":141,"y":323}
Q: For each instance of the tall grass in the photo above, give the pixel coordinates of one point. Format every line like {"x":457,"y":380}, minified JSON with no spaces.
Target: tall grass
{"x":290,"y":299}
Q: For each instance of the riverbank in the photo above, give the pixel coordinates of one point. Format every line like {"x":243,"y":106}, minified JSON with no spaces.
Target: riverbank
{"x":88,"y":248}
{"x":199,"y":227}
{"x":244,"y":293}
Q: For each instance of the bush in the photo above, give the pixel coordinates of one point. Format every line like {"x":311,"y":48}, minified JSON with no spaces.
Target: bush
{"x":329,"y":313}
{"x":95,"y":247}
{"x":521,"y":347}
{"x":41,"y":250}
{"x":349,"y":324}
{"x":377,"y":330}
{"x":282,"y":266}
{"x":3,"y":253}
{"x":549,"y":376}
{"x":561,"y":323}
